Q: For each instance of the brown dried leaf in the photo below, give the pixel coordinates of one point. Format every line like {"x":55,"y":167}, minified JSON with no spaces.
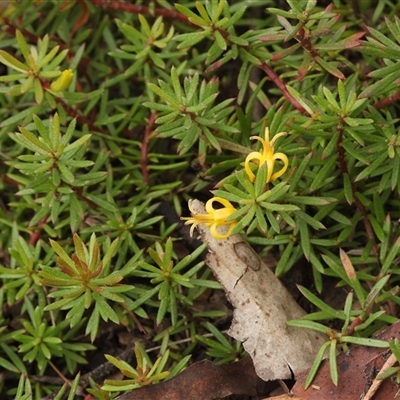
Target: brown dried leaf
{"x":205,"y":381}
{"x":284,"y":397}
{"x":357,"y":369}
{"x":262,"y":308}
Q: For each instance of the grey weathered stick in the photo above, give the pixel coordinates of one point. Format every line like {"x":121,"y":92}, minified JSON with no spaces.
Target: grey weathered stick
{"x":262,"y":307}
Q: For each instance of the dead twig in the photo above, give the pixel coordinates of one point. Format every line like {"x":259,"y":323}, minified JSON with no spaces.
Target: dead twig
{"x":378,"y":382}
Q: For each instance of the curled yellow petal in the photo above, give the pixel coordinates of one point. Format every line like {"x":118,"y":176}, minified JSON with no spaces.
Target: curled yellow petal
{"x":282,"y":157}
{"x":255,"y":155}
{"x":63,"y":81}
{"x":214,"y":218}
{"x":227,"y":205}
{"x":220,"y":236}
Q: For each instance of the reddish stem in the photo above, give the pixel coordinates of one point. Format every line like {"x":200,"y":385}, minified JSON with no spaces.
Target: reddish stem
{"x":35,"y":235}
{"x":72,"y":112}
{"x":351,"y":328}
{"x":281,"y":85}
{"x":135,"y":9}
{"x":388,"y":101}
{"x":133,"y":316}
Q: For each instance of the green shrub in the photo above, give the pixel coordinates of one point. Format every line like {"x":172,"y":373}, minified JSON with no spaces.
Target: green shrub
{"x":114,"y":115}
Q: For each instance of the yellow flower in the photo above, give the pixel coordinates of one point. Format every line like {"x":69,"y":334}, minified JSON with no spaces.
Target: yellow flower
{"x":267,"y":156}
{"x":63,"y":81}
{"x":214,"y":219}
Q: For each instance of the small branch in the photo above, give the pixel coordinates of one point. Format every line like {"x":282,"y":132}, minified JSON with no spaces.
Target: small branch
{"x":10,"y":28}
{"x":388,"y":101}
{"x":351,"y":328}
{"x":133,"y":316}
{"x":135,"y":9}
{"x":58,"y":372}
{"x":99,"y":373}
{"x":72,"y":112}
{"x":35,"y":236}
{"x":281,"y":85}
{"x":81,"y":21}
{"x":378,"y":382}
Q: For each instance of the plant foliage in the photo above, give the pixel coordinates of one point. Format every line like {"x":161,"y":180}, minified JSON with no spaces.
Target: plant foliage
{"x":112,"y":116}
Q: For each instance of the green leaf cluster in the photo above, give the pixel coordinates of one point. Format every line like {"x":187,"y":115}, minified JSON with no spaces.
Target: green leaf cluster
{"x":189,"y":114}
{"x":145,"y":372}
{"x":52,"y":169}
{"x":33,"y":75}
{"x":82,"y":279}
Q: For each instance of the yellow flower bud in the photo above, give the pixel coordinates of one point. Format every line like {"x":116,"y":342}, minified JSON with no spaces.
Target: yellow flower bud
{"x":63,"y":81}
